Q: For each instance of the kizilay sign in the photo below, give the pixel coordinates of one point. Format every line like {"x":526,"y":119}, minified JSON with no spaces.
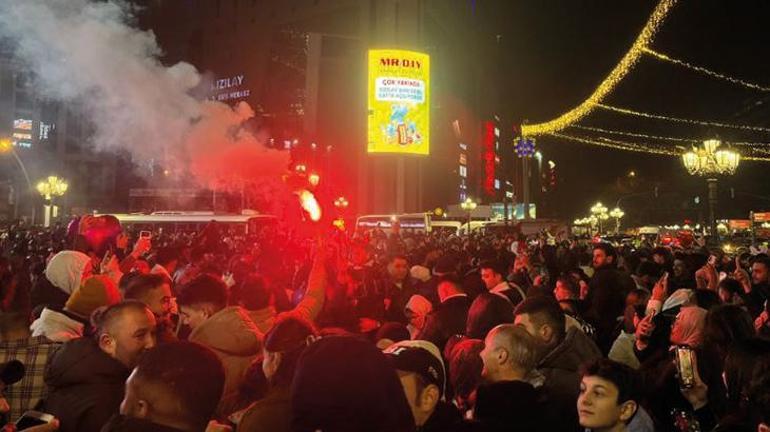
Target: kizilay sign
{"x":225,"y":89}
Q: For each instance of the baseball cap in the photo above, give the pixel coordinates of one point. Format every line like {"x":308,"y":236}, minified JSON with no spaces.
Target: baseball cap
{"x":11,"y":372}
{"x":420,"y":357}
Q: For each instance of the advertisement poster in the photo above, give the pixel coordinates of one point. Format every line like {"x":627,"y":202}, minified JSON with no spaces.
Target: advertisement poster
{"x":399,"y":102}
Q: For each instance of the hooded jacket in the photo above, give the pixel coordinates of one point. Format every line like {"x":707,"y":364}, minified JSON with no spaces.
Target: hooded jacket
{"x":235,"y":339}
{"x":561,"y":368}
{"x":57,"y":326}
{"x":62,"y":278}
{"x":86,"y":386}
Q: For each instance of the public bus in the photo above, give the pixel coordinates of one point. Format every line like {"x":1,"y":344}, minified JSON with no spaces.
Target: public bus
{"x":406,"y":222}
{"x":194,"y":221}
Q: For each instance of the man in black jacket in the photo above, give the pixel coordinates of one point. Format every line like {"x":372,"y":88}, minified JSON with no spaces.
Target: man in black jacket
{"x":511,"y":394}
{"x":86,"y":377}
{"x":607,"y":295}
{"x":450,"y":317}
{"x":561,"y":352}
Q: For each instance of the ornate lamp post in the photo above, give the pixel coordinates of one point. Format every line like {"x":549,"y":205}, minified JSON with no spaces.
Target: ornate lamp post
{"x":341,"y":203}
{"x":468,"y":205}
{"x":48,"y":188}
{"x":709,"y":161}
{"x":599,"y":211}
{"x":617,"y":213}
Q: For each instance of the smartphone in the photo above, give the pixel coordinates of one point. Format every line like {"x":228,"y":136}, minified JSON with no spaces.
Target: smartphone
{"x":684,"y":366}
{"x":32,"y":418}
{"x":145,"y":234}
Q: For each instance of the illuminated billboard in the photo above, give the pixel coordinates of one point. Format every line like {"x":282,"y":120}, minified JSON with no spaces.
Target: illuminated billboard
{"x":399,"y":102}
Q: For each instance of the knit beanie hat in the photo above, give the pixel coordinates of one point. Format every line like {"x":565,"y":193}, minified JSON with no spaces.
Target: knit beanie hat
{"x":345,"y":384}
{"x":95,"y":292}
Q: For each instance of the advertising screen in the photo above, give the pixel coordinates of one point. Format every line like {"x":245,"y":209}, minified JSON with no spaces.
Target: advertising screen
{"x":399,"y":102}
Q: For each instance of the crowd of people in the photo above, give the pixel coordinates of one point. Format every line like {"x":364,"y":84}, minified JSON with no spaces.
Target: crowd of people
{"x":109,"y":329}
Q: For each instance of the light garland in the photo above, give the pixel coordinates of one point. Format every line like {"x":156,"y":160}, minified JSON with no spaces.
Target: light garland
{"x":700,"y":69}
{"x":613,"y":79}
{"x":636,"y":135}
{"x":759,"y":146}
{"x":643,"y":148}
{"x":618,"y":145}
{"x":681,"y":120}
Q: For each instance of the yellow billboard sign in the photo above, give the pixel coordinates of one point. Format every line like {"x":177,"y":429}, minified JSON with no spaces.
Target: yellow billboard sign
{"x":399,"y":102}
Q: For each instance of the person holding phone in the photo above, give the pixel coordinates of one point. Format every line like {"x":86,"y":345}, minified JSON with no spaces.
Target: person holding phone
{"x":32,"y":421}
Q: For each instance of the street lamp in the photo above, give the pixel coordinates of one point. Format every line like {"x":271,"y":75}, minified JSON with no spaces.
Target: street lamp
{"x":49,"y":188}
{"x":617,"y":213}
{"x":599,"y":212}
{"x":468,"y":205}
{"x":708,"y":161}
{"x":314,"y":179}
{"x":341,"y":203}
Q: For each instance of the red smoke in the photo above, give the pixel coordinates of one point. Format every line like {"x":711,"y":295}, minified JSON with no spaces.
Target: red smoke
{"x":222,"y":153}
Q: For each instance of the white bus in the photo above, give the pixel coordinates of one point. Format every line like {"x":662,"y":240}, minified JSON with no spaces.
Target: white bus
{"x":171,"y":221}
{"x":406,"y":222}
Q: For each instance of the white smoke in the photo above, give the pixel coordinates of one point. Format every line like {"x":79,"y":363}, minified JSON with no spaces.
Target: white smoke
{"x":89,"y":53}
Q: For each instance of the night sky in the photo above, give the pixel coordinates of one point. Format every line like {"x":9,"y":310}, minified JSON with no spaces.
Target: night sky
{"x":559,"y":51}
{"x":551,"y":56}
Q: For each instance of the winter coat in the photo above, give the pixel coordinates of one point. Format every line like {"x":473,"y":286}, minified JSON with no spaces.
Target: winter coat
{"x":57,"y":326}
{"x":235,"y":339}
{"x":449,"y":320}
{"x":510,"y":406}
{"x":86,"y":386}
{"x":271,"y":413}
{"x":121,"y":423}
{"x":445,"y":418}
{"x":561,"y":368}
{"x":606,"y":302}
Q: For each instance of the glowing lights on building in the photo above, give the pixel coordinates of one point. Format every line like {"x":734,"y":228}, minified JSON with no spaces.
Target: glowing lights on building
{"x":463,"y":168}
{"x":22,"y":124}
{"x":22,"y":133}
{"x":488,"y":157}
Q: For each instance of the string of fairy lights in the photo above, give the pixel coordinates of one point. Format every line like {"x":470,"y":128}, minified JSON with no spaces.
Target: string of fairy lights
{"x":758,"y":151}
{"x":737,"y":81}
{"x":620,"y":71}
{"x":759,"y":145}
{"x":681,"y":120}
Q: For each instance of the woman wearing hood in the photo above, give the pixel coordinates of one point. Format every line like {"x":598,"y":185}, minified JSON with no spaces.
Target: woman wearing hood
{"x":70,"y":272}
{"x":668,"y":402}
{"x":62,"y":277}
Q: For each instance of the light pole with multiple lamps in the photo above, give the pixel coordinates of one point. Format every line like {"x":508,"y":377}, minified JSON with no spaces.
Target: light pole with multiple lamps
{"x":599,"y":211}
{"x":617,"y":213}
{"x":709,"y":161}
{"x":469,"y":205}
{"x":49,"y":188}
